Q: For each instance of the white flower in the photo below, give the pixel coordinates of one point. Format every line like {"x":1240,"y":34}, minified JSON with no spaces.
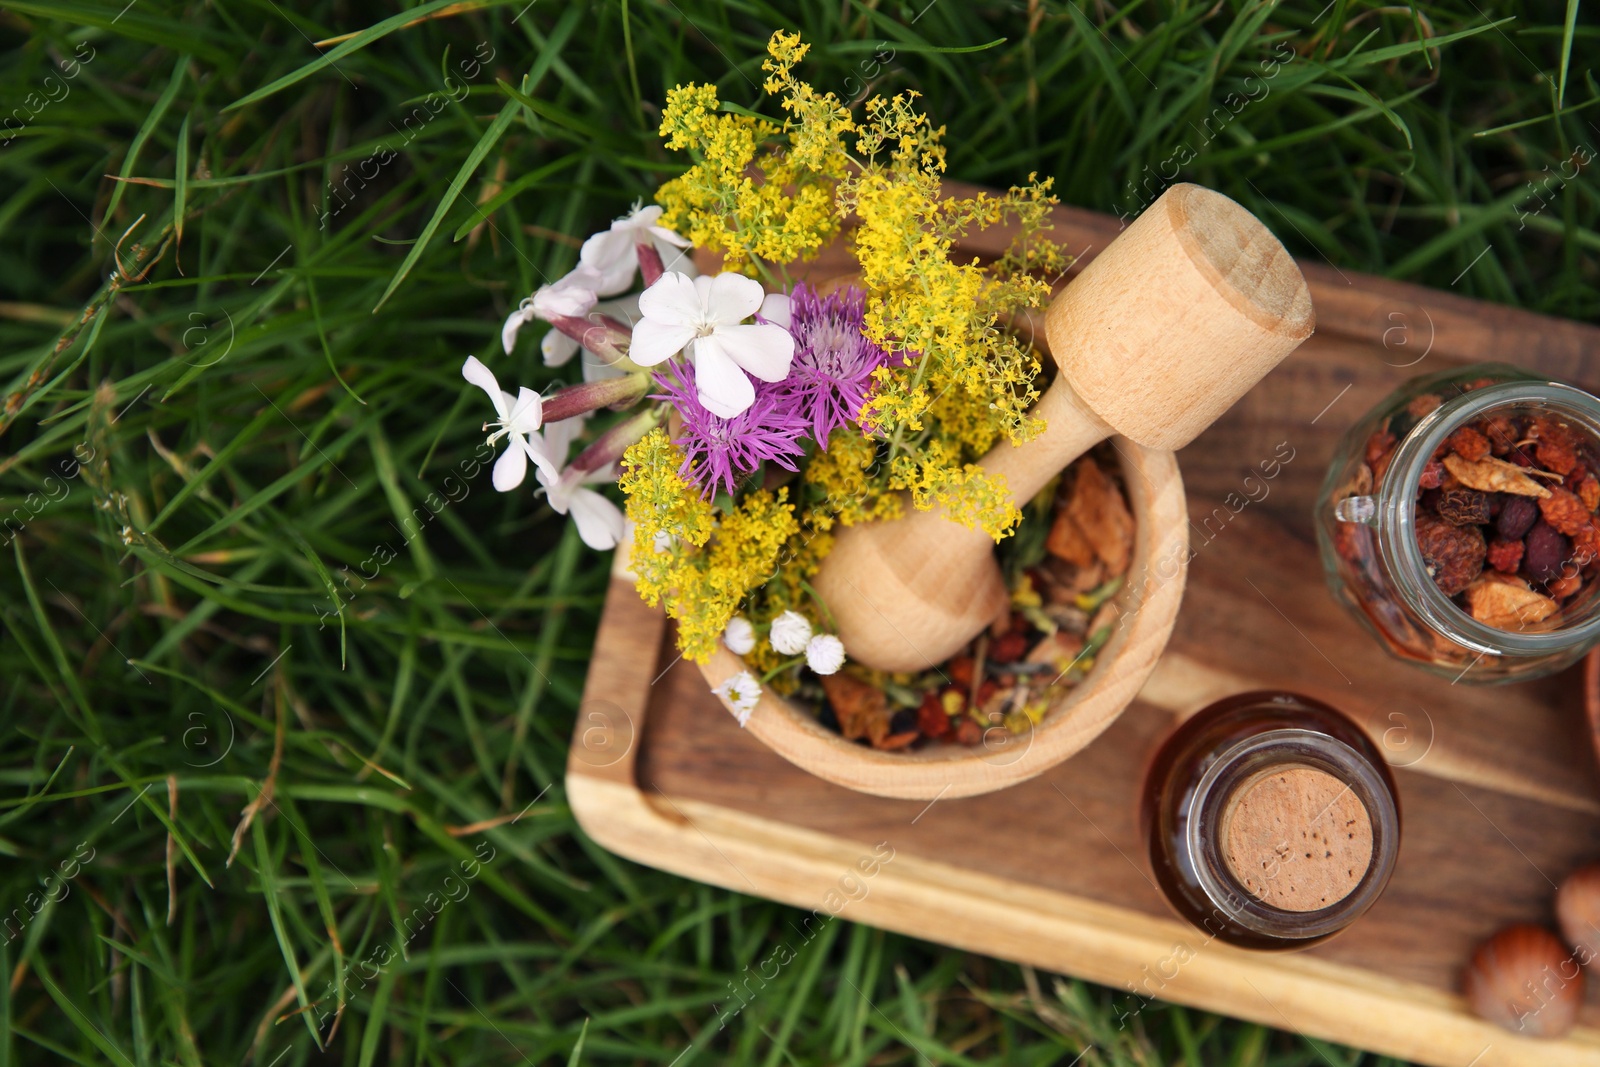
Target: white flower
{"x":570,"y":296}
{"x":519,"y":417}
{"x":741,"y":693}
{"x":775,"y":309}
{"x":614,"y":253}
{"x":706,"y":317}
{"x":599,"y":520}
{"x":790,"y":632}
{"x":740,"y":636}
{"x":825,"y":654}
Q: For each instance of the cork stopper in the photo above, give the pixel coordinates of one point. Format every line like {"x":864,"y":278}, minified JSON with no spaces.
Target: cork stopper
{"x":1296,"y":838}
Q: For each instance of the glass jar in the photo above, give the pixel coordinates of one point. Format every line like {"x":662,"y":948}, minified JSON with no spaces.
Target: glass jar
{"x":1407,"y":546}
{"x":1271,"y":821}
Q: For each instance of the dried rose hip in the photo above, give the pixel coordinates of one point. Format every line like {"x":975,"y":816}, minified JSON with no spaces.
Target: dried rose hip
{"x":1516,"y":518}
{"x":1453,"y":554}
{"x":1461,"y":506}
{"x":1432,"y":475}
{"x":1546,"y":551}
{"x":1505,"y":556}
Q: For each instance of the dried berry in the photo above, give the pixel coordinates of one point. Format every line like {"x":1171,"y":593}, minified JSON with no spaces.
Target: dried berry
{"x":1505,"y":556}
{"x":1557,"y":446}
{"x":1516,"y":518}
{"x":1453,"y":554}
{"x":1378,"y":445}
{"x":1564,"y":511}
{"x":1432,"y":475}
{"x":1009,"y":649}
{"x":1422,"y":405}
{"x":1462,"y":506}
{"x":1586,"y":545}
{"x":959,"y":671}
{"x":1468,"y":443}
{"x":968,"y":732}
{"x":931,"y":718}
{"x":1545,"y":551}
{"x":1501,"y":431}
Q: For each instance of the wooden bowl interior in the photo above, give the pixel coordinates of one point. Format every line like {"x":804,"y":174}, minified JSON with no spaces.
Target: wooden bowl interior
{"x":1150,"y":606}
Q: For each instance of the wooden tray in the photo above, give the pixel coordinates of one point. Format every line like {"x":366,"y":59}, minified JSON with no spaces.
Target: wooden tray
{"x":1498,"y":785}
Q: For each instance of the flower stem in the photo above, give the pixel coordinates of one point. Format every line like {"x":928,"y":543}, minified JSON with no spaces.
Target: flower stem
{"x":609,"y":446}
{"x":780,"y":668}
{"x":615,"y":393}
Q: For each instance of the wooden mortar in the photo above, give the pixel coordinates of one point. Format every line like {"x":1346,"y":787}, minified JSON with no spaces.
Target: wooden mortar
{"x":1176,"y":319}
{"x":1156,"y":574}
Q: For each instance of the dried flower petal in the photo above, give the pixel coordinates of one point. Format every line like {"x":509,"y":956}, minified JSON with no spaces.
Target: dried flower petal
{"x":862,"y":709}
{"x":1494,"y":476}
{"x":1566,"y":586}
{"x":1097,"y":507}
{"x":1507,"y":602}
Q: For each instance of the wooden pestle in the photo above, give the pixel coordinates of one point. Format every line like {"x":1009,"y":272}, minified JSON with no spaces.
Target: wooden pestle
{"x":1175,"y":320}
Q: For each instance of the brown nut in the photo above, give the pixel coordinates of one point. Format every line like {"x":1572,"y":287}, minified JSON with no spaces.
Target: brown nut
{"x":1578,"y":912}
{"x":1524,"y":980}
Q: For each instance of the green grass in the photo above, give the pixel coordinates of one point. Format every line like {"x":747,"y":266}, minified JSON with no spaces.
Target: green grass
{"x":226,"y":604}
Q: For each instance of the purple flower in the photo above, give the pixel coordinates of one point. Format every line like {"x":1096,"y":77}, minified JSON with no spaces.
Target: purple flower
{"x":721,"y":453}
{"x":833,"y":360}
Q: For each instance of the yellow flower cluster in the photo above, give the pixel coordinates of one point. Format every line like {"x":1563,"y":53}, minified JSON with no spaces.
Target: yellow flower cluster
{"x":759,"y":193}
{"x":701,"y":568}
{"x":766,"y":192}
{"x":847,"y":484}
{"x":970,"y":494}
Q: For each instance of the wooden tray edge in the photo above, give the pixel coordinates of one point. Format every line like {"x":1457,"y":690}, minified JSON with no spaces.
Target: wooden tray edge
{"x":1058,"y":932}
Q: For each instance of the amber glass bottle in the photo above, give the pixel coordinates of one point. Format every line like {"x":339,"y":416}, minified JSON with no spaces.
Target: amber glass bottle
{"x":1271,"y":820}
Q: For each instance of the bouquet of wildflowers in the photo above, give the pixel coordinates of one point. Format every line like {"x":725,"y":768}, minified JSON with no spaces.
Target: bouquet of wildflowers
{"x":757,"y":412}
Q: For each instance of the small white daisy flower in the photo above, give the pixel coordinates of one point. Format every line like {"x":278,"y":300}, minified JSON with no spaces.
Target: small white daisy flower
{"x":741,"y":693}
{"x":740,"y":636}
{"x":790,"y":632}
{"x":825,"y":654}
